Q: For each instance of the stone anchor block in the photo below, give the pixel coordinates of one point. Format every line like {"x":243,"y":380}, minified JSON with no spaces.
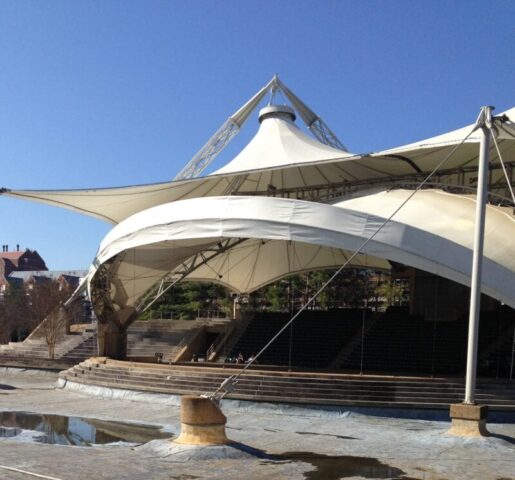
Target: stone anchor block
{"x":202,"y":422}
{"x":468,"y":420}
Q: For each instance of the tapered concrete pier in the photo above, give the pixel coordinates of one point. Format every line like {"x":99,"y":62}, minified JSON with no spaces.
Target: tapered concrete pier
{"x":202,"y":422}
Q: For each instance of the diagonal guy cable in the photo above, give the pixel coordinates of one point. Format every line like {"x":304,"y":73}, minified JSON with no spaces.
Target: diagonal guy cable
{"x":502,"y":165}
{"x":228,"y":384}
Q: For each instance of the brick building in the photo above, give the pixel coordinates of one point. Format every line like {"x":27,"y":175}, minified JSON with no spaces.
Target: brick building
{"x":18,"y":260}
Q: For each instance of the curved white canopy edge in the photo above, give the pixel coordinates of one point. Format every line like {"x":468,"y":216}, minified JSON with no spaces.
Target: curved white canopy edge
{"x":433,"y":232}
{"x":504,"y":131}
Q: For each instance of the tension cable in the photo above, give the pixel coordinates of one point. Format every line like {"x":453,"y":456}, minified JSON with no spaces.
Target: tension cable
{"x":229,"y":384}
{"x":502,"y":163}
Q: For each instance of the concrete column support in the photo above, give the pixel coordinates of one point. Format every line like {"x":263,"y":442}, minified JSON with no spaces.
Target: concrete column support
{"x":202,"y":422}
{"x":112,"y":342}
{"x":112,"y":333}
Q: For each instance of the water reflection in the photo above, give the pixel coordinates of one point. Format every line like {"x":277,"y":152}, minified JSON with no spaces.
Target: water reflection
{"x":63,"y":430}
{"x":336,"y":467}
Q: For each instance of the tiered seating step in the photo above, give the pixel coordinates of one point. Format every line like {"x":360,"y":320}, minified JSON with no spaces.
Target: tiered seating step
{"x":313,"y":340}
{"x":291,"y":387}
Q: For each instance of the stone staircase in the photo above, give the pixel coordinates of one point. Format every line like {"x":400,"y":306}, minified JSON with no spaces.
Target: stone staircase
{"x":291,"y":387}
{"x":146,"y":338}
{"x":88,"y":348}
{"x":311,"y":342}
{"x":74,"y":347}
{"x":238,"y":331}
{"x":355,"y":340}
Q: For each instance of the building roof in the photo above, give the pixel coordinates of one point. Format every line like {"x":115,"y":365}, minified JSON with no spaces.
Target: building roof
{"x":12,"y":257}
{"x":31,"y":258}
{"x":51,"y":274}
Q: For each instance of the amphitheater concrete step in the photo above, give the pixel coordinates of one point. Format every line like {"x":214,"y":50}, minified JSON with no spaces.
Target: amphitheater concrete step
{"x":323,"y":389}
{"x":146,"y":338}
{"x":250,"y":386}
{"x":75,"y":347}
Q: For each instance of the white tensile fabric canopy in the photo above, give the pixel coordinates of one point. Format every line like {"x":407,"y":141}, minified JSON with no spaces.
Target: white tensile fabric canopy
{"x":289,"y":144}
{"x":249,"y":224}
{"x":281,"y":157}
{"x":279,"y":236}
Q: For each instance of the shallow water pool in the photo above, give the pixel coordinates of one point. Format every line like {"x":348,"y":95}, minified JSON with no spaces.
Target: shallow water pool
{"x":74,"y":431}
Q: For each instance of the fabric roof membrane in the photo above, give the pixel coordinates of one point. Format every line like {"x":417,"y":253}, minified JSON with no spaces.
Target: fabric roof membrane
{"x":432,"y":232}
{"x":282,"y":157}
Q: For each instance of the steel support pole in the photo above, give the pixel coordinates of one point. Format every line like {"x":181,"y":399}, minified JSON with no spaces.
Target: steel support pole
{"x":477,"y":259}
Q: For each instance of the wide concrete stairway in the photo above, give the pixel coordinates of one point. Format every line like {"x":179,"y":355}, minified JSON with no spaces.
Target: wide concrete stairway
{"x":399,"y":343}
{"x":290,"y":387}
{"x":74,"y":347}
{"x":146,"y":338}
{"x":312,"y":342}
{"x":88,"y":348}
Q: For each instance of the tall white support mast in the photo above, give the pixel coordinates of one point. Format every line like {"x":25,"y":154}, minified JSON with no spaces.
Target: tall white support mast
{"x":484,"y":123}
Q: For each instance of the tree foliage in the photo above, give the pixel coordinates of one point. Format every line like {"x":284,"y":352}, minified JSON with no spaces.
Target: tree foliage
{"x":23,"y":308}
{"x":189,"y":299}
{"x":349,"y":289}
{"x":352,"y":288}
{"x":47,"y":298}
{"x":16,"y":318}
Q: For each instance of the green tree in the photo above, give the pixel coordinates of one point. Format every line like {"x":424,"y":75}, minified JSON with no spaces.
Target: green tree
{"x":16,"y":317}
{"x":186,"y":299}
{"x":46,"y":300}
{"x":391,"y":293}
{"x":349,"y":289}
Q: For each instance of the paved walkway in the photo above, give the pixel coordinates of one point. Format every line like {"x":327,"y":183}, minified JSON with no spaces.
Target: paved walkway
{"x":309,"y":445}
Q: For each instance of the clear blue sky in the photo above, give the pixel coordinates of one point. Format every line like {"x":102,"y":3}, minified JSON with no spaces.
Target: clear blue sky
{"x":108,"y":93}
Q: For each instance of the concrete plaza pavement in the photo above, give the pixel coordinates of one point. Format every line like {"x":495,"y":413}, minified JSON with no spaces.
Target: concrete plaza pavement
{"x":272,"y":443}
